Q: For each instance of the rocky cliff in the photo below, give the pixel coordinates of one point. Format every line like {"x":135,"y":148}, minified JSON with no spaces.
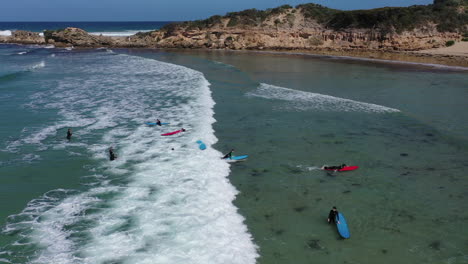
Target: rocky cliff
{"x":305,"y":27}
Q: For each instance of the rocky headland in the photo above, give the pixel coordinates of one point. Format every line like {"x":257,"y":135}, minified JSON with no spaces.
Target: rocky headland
{"x":379,"y":33}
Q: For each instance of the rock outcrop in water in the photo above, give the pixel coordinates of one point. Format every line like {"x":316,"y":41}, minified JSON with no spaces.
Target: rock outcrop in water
{"x":23,"y":37}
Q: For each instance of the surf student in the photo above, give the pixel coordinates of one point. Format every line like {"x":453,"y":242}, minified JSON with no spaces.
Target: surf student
{"x":183,"y":130}
{"x":228,"y":155}
{"x":158,"y":122}
{"x":333,"y":216}
{"x":69,"y":134}
{"x":339,"y":167}
{"x":112,"y":155}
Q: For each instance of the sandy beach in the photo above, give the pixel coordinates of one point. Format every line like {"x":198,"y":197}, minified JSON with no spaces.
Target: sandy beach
{"x":459,"y":49}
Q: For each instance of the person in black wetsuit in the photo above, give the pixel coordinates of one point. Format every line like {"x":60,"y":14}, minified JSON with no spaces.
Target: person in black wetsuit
{"x":228,"y":155}
{"x":333,"y":215}
{"x":69,"y":134}
{"x":112,"y":155}
{"x":158,"y":122}
{"x":334,"y":167}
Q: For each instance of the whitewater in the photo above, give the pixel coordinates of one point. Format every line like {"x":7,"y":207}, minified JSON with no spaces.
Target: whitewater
{"x":162,"y":201}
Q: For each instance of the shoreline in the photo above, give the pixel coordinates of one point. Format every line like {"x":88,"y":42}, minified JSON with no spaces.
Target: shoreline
{"x":442,"y":57}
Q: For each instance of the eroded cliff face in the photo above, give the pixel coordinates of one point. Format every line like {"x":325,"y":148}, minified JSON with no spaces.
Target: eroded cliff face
{"x":288,"y":30}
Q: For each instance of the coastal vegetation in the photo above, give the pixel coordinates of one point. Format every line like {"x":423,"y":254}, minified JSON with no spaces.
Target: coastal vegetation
{"x":449,"y":43}
{"x":448,"y":15}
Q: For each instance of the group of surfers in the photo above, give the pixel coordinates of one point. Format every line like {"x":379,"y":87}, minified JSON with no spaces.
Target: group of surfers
{"x":332,"y":216}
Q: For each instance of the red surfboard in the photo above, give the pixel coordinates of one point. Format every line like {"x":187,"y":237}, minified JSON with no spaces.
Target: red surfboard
{"x":346,"y":168}
{"x":172,"y":133}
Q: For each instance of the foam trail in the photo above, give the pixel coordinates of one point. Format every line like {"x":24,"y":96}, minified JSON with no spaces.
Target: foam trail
{"x":301,"y":100}
{"x":152,"y":204}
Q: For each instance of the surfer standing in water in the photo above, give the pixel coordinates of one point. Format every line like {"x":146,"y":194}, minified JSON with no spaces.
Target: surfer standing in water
{"x":228,"y":155}
{"x":69,"y":134}
{"x":112,"y":155}
{"x":333,"y":216}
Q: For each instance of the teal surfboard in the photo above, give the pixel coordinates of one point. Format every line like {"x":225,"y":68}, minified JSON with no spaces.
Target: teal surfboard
{"x":238,"y":157}
{"x":342,"y":226}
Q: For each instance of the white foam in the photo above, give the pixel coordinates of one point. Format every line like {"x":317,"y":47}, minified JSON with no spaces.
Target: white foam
{"x":300,"y":100}
{"x":125,"y":33}
{"x":5,"y":33}
{"x":38,"y":65}
{"x":172,"y":206}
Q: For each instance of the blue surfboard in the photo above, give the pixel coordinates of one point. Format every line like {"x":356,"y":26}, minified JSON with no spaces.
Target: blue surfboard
{"x":154,"y":124}
{"x":238,"y":157}
{"x":342,"y":226}
{"x":201,"y":145}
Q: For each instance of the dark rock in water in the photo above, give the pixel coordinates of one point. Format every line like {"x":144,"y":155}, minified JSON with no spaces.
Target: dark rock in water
{"x":435,"y":245}
{"x":268,"y":216}
{"x":321,"y":181}
{"x":318,"y":199}
{"x":384,"y":251}
{"x":356,"y":184}
{"x":314,"y":244}
{"x":278,"y":232}
{"x":257,"y":199}
{"x":300,"y":208}
{"x":347,"y":191}
{"x":429,"y":134}
{"x":404,"y":154}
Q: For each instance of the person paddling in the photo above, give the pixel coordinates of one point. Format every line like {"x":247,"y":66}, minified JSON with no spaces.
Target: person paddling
{"x":339,"y":167}
{"x":228,"y":155}
{"x":333,"y":216}
{"x":112,"y":155}
{"x":69,"y":134}
{"x":158,"y":122}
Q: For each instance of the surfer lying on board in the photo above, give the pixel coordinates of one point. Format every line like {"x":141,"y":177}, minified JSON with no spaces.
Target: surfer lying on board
{"x":112,"y":155}
{"x":158,"y":122}
{"x":334,"y":167}
{"x":333,"y":215}
{"x":228,"y":155}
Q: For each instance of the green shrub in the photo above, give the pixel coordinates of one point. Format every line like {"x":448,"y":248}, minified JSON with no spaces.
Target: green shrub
{"x":449,"y":43}
{"x":464,"y":39}
{"x":233,"y":22}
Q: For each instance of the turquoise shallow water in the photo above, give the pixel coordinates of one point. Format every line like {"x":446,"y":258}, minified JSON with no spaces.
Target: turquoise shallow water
{"x":406,"y":203}
{"x":403,"y":125}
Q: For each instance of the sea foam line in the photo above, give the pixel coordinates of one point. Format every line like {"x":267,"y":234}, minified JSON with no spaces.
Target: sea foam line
{"x":153,"y":204}
{"x":301,"y":100}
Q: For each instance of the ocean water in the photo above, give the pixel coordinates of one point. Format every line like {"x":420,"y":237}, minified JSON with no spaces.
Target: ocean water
{"x":105,"y":28}
{"x":165,"y":201}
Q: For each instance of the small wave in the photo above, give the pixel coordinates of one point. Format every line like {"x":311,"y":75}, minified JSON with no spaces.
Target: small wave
{"x":301,"y":100}
{"x":22,"y":53}
{"x":38,"y":65}
{"x":10,"y":76}
{"x":5,"y":32}
{"x":126,"y":33}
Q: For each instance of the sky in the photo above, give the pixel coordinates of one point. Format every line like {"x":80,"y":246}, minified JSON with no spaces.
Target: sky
{"x":158,"y":10}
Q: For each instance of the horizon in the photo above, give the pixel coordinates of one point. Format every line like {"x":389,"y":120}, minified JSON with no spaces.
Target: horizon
{"x":147,"y":11}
